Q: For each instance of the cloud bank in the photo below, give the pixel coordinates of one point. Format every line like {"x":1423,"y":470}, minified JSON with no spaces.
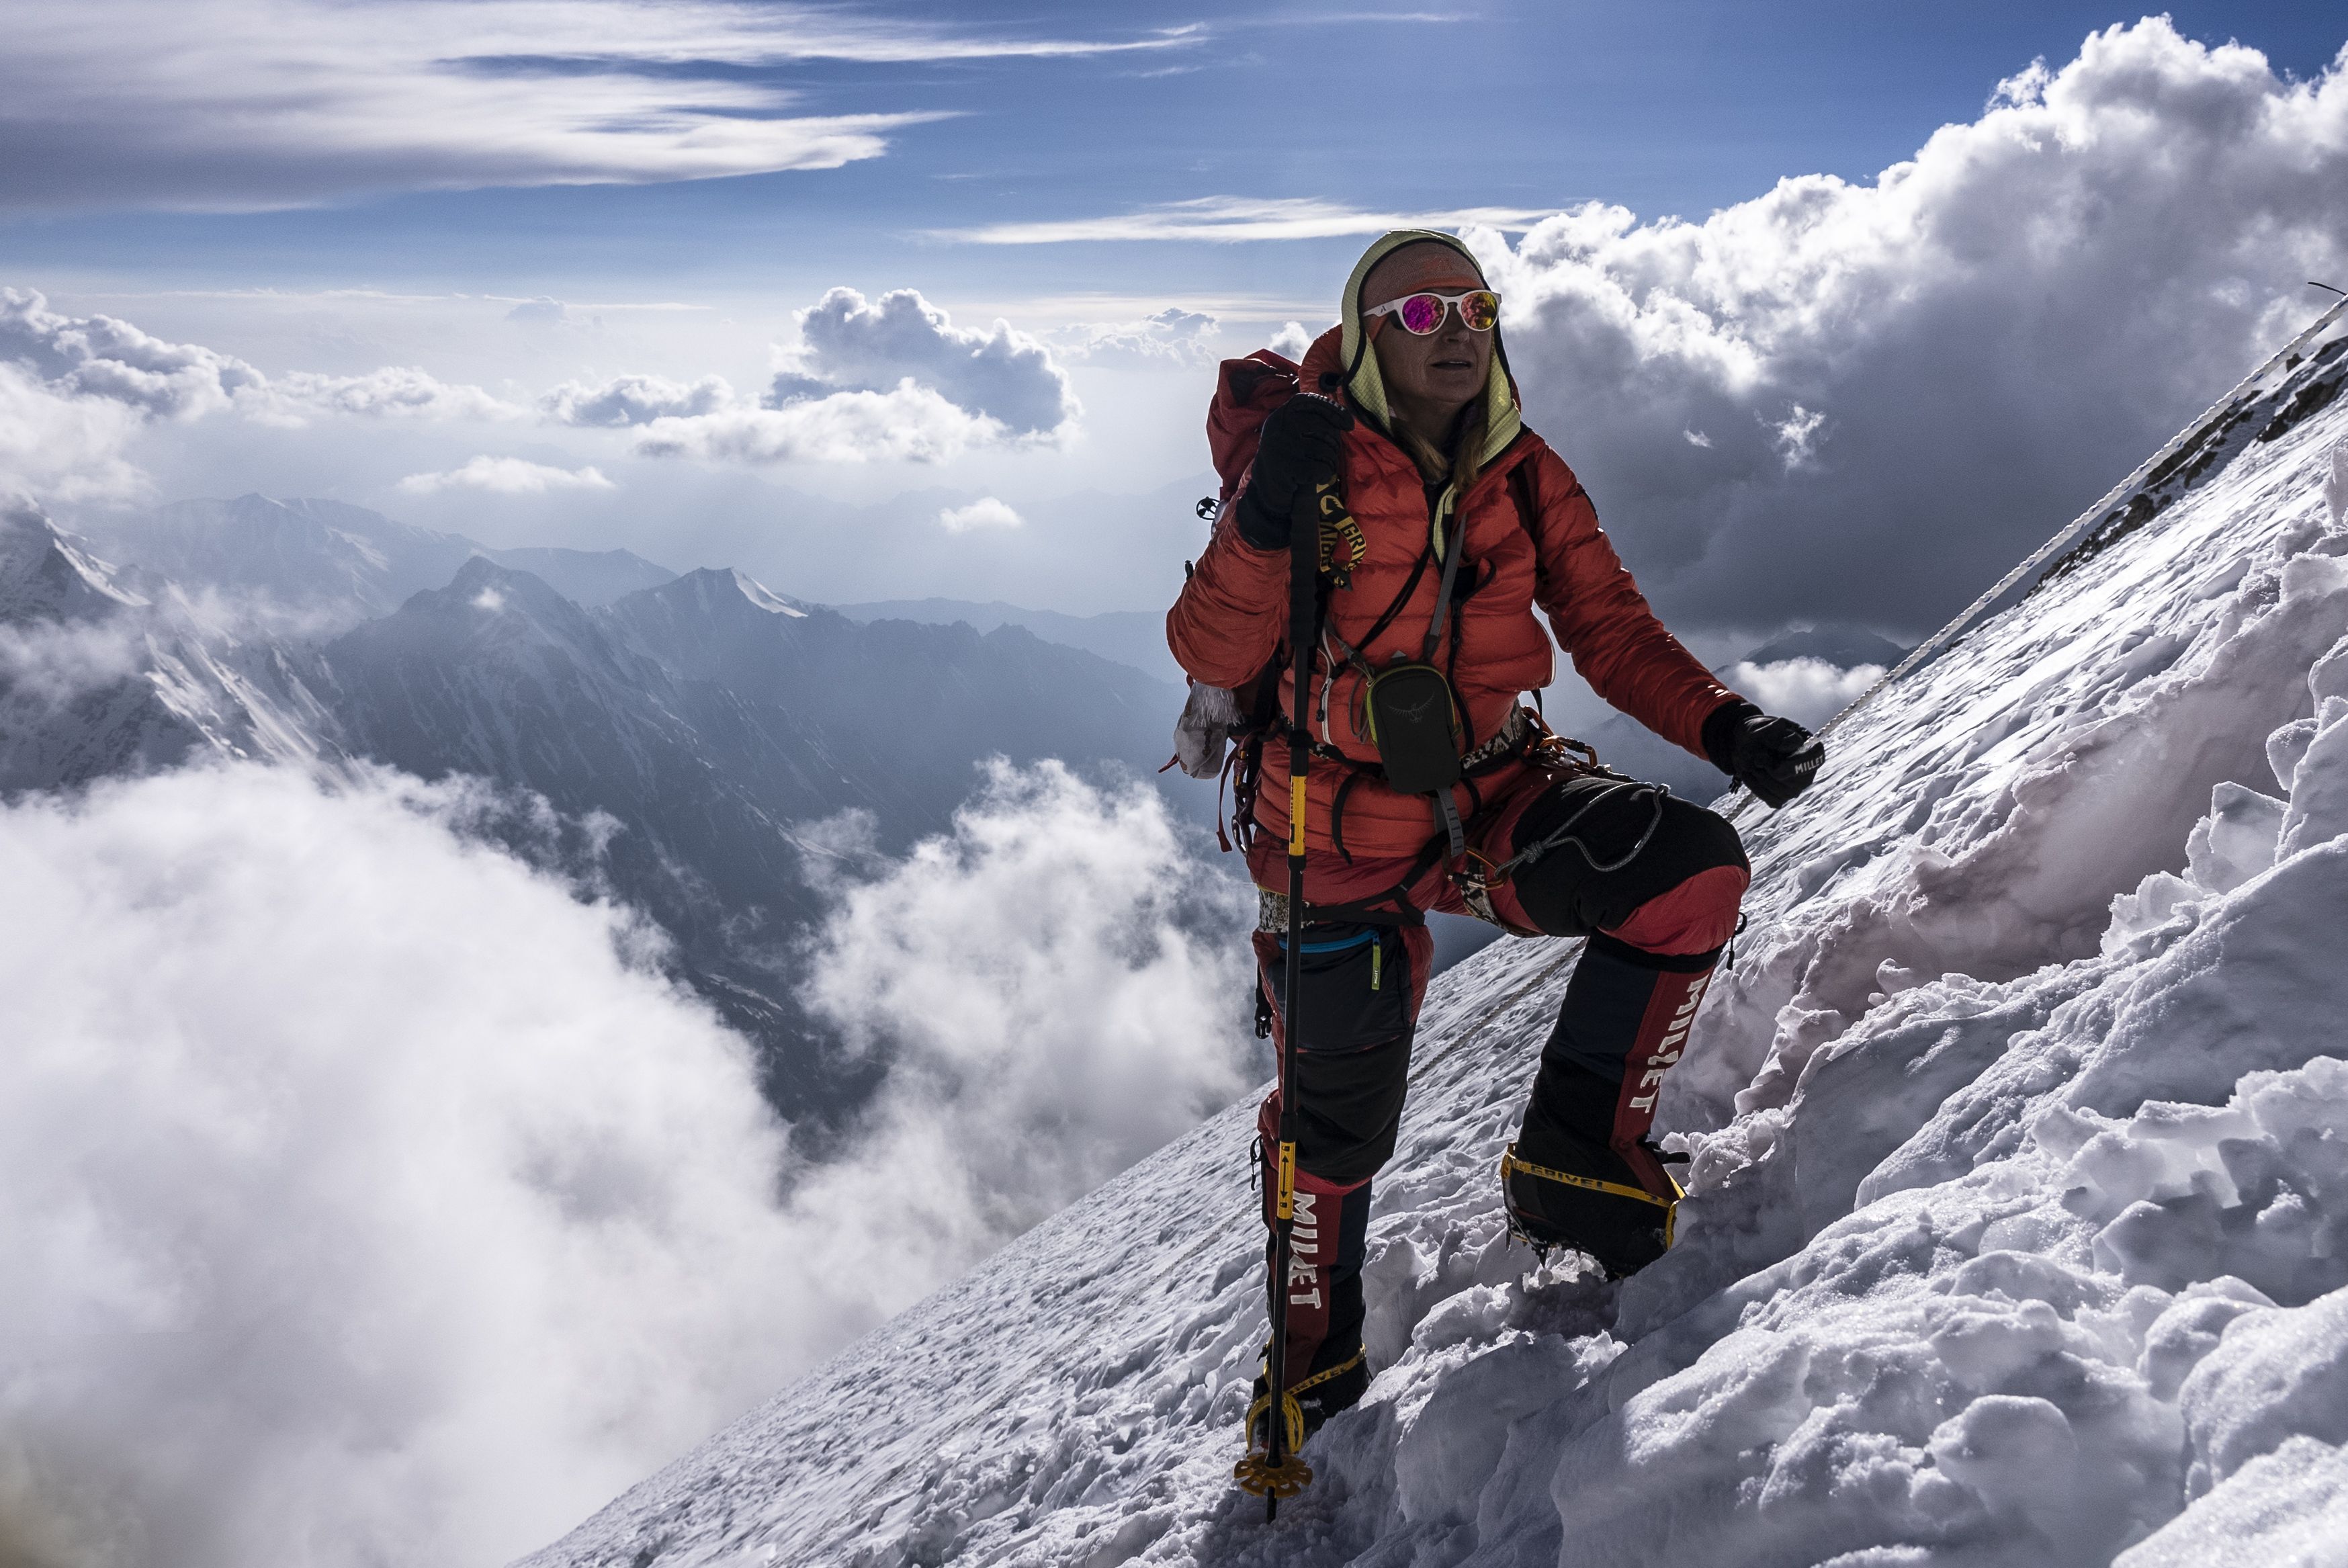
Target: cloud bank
{"x":1170,"y":337}
{"x":507,"y":476}
{"x":369,"y":1198}
{"x":101,"y":357}
{"x":1807,"y":690}
{"x":908,"y":423}
{"x":364,"y":1204}
{"x":216,"y":104}
{"x":1050,"y":1018}
{"x":889,"y":380}
{"x":1863,"y":402}
{"x":76,"y":390}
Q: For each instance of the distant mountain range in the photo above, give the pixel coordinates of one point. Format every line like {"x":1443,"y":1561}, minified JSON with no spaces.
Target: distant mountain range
{"x":703,"y":716}
{"x":332,"y":562}
{"x":1135,"y":637}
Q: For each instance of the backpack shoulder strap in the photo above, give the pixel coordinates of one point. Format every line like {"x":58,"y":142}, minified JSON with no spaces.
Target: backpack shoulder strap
{"x":1526,"y":489}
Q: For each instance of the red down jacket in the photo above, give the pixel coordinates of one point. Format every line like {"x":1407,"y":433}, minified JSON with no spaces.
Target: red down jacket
{"x":1232,"y":617}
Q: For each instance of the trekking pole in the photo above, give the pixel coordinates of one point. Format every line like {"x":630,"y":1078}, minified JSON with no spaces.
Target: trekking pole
{"x":1278,"y":1472}
{"x":1303,"y":562}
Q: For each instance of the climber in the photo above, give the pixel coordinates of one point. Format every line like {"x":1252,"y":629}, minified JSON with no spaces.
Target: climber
{"x":1442,"y":523}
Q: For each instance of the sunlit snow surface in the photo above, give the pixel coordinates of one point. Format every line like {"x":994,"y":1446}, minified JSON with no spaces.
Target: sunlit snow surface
{"x":2020,"y":1216}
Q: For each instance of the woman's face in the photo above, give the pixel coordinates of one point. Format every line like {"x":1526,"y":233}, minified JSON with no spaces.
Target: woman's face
{"x":1427,"y":379}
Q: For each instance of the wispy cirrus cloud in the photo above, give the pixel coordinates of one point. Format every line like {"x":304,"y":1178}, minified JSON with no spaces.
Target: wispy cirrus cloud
{"x":1230,"y":219}
{"x":232,"y":105}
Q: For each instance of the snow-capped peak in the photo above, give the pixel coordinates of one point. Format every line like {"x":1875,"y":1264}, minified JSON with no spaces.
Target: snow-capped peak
{"x":47,"y":574}
{"x":765,"y":598}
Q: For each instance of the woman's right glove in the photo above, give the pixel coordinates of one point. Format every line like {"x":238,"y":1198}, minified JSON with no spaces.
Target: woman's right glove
{"x":1774,"y":757}
{"x":1301,"y":448}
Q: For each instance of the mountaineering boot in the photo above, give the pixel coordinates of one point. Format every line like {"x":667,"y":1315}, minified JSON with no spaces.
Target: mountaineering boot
{"x":1326,"y":1371}
{"x":1581,"y":1173}
{"x":1333,"y":1388}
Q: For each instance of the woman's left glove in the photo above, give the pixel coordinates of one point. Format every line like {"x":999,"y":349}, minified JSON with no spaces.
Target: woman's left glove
{"x":1774,"y":757}
{"x":1204,"y":731}
{"x":1302,"y":446}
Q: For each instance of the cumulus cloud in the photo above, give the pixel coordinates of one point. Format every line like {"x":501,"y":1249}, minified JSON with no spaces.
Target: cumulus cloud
{"x":636,"y":400}
{"x":368,"y":1198}
{"x":891,"y":380}
{"x":100,"y":356}
{"x":1807,"y":690}
{"x":75,"y":391}
{"x":220,"y":104}
{"x":907,"y":423}
{"x":984,"y":512}
{"x":849,"y":344}
{"x":507,"y":476}
{"x":1293,"y":340}
{"x":1864,"y":401}
{"x":1172,"y":335}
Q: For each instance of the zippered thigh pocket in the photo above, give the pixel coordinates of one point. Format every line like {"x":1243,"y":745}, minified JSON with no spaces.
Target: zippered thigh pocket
{"x":1355,"y":985}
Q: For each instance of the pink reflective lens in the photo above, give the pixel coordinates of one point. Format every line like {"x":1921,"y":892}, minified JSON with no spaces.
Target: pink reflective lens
{"x":1421,"y":314}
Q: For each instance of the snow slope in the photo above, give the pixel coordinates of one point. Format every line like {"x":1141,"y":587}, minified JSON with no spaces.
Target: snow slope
{"x":2019,"y":1225}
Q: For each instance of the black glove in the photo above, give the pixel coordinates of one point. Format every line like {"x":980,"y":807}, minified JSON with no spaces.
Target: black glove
{"x":1303,"y":445}
{"x":1774,"y":757}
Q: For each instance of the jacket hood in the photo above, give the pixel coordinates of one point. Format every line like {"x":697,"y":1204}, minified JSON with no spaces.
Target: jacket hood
{"x":1364,"y":386}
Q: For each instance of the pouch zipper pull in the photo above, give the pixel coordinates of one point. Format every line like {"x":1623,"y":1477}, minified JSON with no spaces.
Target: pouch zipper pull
{"x":1377,"y":953}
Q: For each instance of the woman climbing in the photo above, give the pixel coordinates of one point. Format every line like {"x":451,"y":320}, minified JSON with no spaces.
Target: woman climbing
{"x":1442,"y":523}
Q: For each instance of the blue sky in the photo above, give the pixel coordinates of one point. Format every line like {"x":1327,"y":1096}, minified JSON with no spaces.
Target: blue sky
{"x":333,"y":215}
{"x":1666,"y":108}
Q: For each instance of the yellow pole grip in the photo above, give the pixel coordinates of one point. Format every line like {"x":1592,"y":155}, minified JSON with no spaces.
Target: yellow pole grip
{"x":1284,"y":1204}
{"x":1296,"y":812}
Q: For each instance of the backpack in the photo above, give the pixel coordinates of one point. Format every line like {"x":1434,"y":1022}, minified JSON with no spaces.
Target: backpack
{"x":1246,"y":390}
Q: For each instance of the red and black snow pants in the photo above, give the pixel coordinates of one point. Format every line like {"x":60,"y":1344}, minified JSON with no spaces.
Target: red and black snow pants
{"x":1656,"y":925}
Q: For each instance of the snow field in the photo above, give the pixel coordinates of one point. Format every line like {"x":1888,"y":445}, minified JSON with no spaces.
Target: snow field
{"x":2018,"y":1225}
